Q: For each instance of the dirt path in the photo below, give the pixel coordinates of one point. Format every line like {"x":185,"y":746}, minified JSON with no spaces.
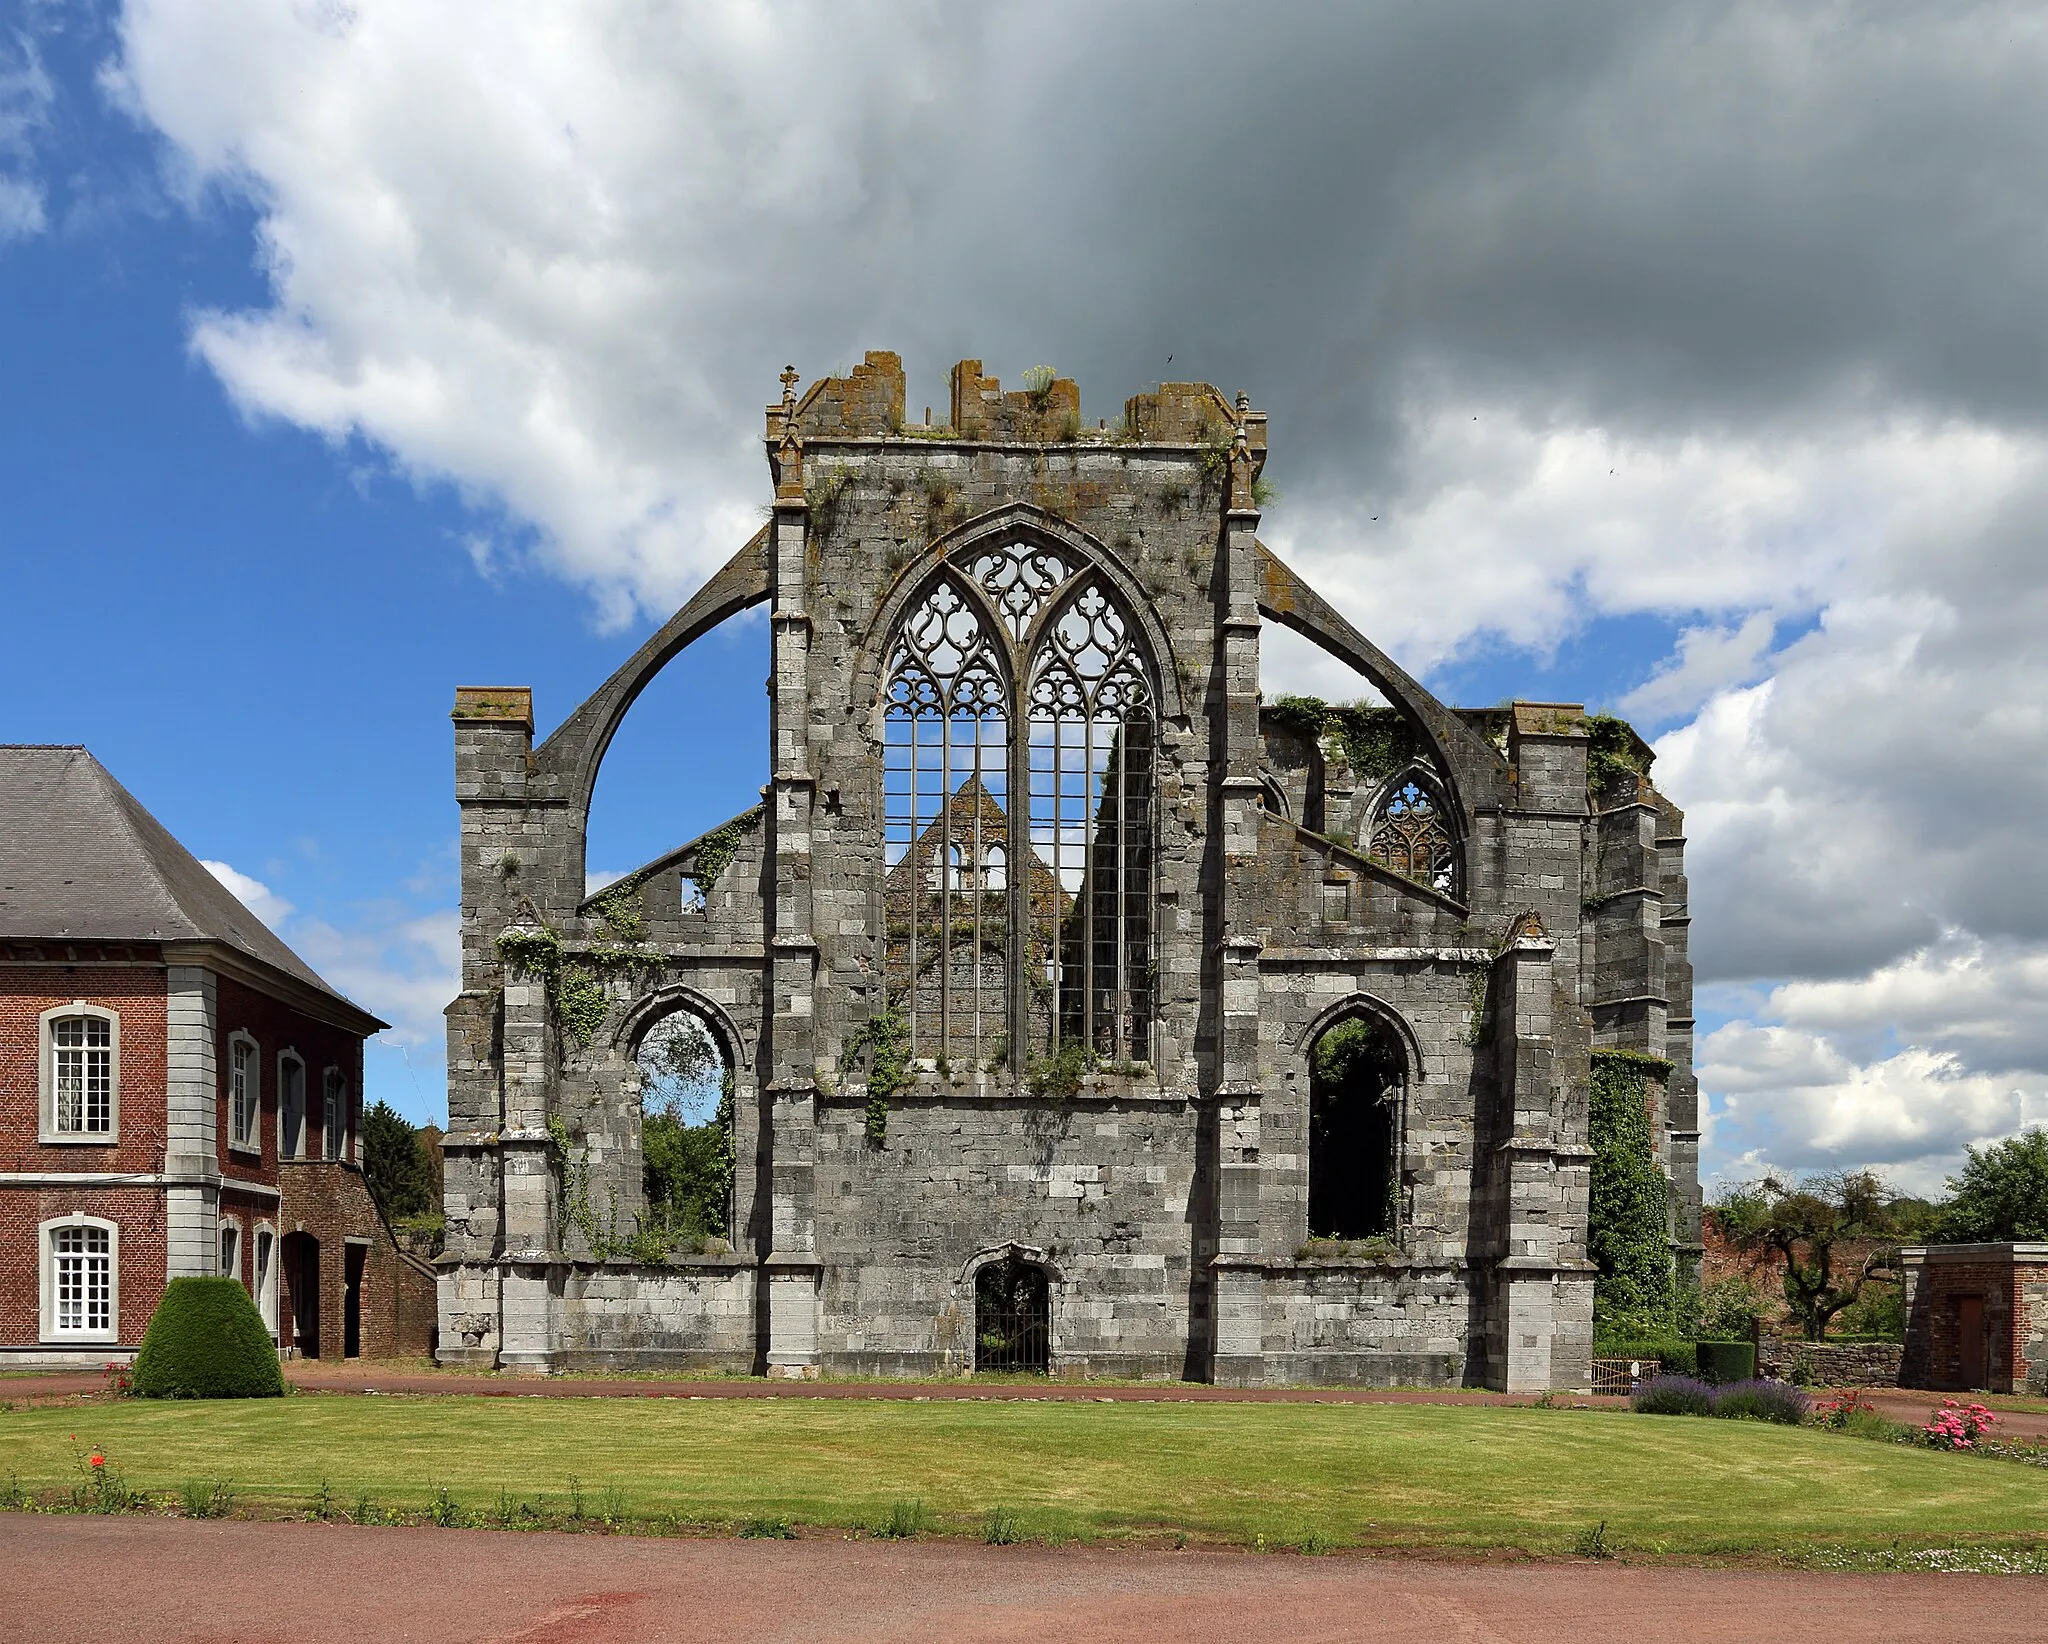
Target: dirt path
{"x":87,"y":1580}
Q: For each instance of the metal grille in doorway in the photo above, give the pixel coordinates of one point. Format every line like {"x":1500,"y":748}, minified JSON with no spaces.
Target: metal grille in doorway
{"x":1012,"y":1317}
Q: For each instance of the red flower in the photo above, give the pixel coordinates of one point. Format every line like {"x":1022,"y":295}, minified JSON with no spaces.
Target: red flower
{"x":98,"y":1460}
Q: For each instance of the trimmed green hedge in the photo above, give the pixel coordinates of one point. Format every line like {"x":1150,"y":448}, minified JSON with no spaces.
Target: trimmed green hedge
{"x":1721,"y":1362}
{"x":207,"y":1341}
{"x":1715,"y":1362}
{"x":1672,"y":1357}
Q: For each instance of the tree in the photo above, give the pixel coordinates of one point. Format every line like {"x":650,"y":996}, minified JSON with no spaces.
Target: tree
{"x":399,"y":1173}
{"x":1800,"y":1221}
{"x":686,"y":1152}
{"x":2001,"y":1194}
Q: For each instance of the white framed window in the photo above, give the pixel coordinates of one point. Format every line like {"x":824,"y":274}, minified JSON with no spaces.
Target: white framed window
{"x":230,"y":1248}
{"x":333,"y":1113}
{"x":245,"y":1093}
{"x":263,"y":1273}
{"x":81,"y":1073}
{"x":81,"y":1294}
{"x":291,"y":1107}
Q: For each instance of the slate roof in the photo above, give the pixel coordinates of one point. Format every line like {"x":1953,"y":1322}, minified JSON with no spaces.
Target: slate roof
{"x":82,"y":860}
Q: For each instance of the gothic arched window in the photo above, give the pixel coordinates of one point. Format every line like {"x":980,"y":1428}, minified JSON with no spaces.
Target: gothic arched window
{"x":1411,"y":833}
{"x":945,"y":779}
{"x":978,"y":958}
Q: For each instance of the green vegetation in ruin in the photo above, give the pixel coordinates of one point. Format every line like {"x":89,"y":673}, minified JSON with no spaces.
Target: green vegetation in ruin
{"x":538,"y":950}
{"x":717,"y":848}
{"x":580,"y":1005}
{"x":1613,"y":764}
{"x":1038,"y":383}
{"x":885,"y":1039}
{"x":618,"y":907}
{"x":1061,"y":1073}
{"x":1377,"y":741}
{"x":1446,"y":1476}
{"x":1634,"y":1293}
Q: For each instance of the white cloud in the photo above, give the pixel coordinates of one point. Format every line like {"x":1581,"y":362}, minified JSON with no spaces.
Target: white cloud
{"x":1641,"y":310}
{"x":404,"y":966}
{"x":253,"y":894}
{"x":1708,"y":660}
{"x":26,"y":99}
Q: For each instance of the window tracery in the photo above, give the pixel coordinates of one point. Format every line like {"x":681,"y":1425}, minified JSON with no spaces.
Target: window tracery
{"x":1411,"y":836}
{"x":976,"y":957}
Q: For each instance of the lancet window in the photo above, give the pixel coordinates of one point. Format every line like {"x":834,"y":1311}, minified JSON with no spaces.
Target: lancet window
{"x":990,"y":966}
{"x":1411,"y":835}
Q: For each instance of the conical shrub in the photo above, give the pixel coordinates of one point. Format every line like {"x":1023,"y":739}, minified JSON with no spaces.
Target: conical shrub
{"x":207,"y":1341}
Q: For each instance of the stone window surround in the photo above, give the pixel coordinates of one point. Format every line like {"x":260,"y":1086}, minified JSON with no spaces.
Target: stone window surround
{"x":47,"y":1279}
{"x":250,"y":1142}
{"x":334,"y":1126}
{"x":289,"y":1057}
{"x":229,"y":1269}
{"x":263,"y":1284}
{"x":46,"y":1061}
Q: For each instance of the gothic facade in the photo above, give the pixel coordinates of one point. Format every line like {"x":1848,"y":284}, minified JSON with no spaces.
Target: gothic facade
{"x":1080,"y":1010}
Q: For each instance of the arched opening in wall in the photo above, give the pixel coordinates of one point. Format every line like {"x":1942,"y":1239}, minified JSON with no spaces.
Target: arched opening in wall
{"x":302,"y":1284}
{"x":1356,"y":1070}
{"x":1012,"y":1316}
{"x":686,"y":1130}
{"x":690,"y":753}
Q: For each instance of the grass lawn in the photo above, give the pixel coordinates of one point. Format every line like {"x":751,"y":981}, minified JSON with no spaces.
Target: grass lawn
{"x":1382,"y":1475}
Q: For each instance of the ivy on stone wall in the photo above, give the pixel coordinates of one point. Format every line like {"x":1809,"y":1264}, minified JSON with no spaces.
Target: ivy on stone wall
{"x":717,"y":848}
{"x":1629,"y":1240}
{"x":886,"y":1039}
{"x":619,"y":908}
{"x":580,"y":1005}
{"x":1377,"y":741}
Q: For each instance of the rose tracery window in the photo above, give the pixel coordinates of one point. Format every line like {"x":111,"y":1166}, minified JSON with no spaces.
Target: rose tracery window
{"x":1411,"y":835}
{"x":977,"y":958}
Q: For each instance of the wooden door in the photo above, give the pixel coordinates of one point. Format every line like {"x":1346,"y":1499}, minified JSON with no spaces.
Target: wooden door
{"x":1974,"y":1341}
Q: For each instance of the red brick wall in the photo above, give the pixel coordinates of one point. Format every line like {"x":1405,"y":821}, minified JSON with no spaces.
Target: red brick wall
{"x":332,"y":1203}
{"x":139,"y":1272}
{"x":136,"y":995}
{"x":278,"y":1027}
{"x":1934,"y":1346}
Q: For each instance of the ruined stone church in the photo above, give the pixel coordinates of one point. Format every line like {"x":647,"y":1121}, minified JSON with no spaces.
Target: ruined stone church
{"x":1081,"y":1011}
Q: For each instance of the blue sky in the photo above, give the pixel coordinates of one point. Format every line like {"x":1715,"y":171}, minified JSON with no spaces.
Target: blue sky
{"x":353,"y":353}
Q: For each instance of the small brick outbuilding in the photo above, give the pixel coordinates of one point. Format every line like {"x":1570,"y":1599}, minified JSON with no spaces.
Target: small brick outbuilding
{"x":1976,"y":1317}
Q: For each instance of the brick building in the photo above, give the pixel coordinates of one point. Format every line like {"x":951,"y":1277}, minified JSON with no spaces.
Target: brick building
{"x":1976,"y":1317}
{"x":1023,"y":969}
{"x":179,"y":1094}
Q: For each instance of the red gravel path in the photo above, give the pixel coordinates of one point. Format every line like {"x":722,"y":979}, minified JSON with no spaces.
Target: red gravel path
{"x":87,"y":1580}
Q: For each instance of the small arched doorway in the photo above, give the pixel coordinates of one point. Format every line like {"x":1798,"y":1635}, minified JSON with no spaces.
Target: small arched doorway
{"x":1012,"y":1316}
{"x":1356,"y":1073}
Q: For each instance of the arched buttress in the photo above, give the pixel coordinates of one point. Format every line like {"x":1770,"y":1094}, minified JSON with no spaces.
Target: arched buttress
{"x":565,"y":766}
{"x":1474,"y":771}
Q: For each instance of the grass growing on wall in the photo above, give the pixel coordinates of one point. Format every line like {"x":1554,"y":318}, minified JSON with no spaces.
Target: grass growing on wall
{"x":1381,"y":1475}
